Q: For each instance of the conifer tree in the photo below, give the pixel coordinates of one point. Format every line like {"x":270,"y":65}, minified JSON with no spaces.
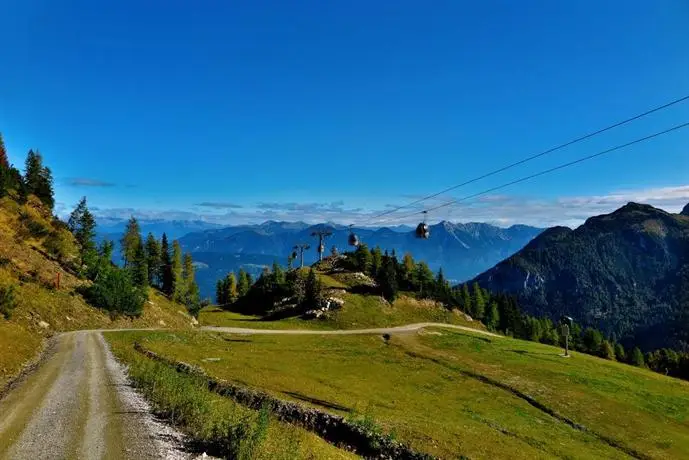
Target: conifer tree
{"x":139,"y":266}
{"x":313,"y":290}
{"x":38,"y":179}
{"x":4,"y":161}
{"x":82,"y":224}
{"x":376,"y":261}
{"x":478,"y":303}
{"x":278,"y":275}
{"x":492,"y":316}
{"x":220,"y":292}
{"x":167,"y":279}
{"x":465,"y":299}
{"x":178,"y":287}
{"x":243,"y":283}
{"x":153,"y":253}
{"x":637,"y":357}
{"x":130,"y":242}
{"x":387,"y":280}
{"x":606,"y":351}
{"x":191,"y":289}
{"x":231,"y":283}
{"x":620,"y":354}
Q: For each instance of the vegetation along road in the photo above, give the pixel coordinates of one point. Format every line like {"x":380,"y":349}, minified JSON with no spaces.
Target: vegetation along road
{"x":78,"y":405}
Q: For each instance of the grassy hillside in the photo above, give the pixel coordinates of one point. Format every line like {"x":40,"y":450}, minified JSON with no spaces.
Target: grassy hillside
{"x":34,"y":249}
{"x":451,"y":393}
{"x":359,"y":311}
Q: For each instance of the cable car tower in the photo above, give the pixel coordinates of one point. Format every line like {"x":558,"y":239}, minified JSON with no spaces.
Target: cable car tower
{"x":300,"y":248}
{"x":322,"y":235}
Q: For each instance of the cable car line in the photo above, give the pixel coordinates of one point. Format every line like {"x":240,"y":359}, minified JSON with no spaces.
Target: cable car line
{"x":532,"y":157}
{"x":547,"y":171}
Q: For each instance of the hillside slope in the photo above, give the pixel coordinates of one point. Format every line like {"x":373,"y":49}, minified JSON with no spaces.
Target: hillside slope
{"x":34,"y":251}
{"x":626,"y":273}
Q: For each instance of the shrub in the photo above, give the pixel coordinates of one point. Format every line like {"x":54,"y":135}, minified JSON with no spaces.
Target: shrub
{"x":114,"y":291}
{"x":60,"y":245}
{"x":8,"y":301}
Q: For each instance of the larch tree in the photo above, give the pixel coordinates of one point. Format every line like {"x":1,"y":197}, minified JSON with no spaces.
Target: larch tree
{"x":492,"y":316}
{"x":130,"y":242}
{"x":243,"y":283}
{"x":231,"y":282}
{"x":637,"y":357}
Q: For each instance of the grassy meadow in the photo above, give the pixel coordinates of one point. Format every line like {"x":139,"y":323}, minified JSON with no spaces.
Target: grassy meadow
{"x":451,"y":393}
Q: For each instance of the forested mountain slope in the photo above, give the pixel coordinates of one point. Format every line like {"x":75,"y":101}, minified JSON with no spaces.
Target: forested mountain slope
{"x":626,"y":273}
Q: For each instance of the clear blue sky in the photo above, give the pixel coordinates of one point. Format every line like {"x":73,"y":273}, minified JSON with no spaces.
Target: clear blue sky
{"x":289,"y":107}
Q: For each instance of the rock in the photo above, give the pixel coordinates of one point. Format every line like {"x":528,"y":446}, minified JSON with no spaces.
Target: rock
{"x":161,"y":323}
{"x":211,"y":360}
{"x":194,"y":321}
{"x":68,"y":318}
{"x":43,"y":324}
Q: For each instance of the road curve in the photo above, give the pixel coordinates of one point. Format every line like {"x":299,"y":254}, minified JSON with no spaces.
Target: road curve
{"x":78,"y":404}
{"x":383,"y":330}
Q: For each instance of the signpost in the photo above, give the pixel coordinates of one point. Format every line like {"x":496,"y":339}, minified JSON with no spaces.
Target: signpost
{"x":566,"y":322}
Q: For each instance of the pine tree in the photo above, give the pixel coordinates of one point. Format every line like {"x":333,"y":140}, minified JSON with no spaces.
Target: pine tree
{"x":167,"y":278}
{"x":363,"y":258}
{"x":243,"y":283}
{"x":130,"y":242}
{"x":82,"y":224}
{"x":407,"y":270}
{"x":637,"y":357}
{"x":178,"y":287}
{"x":423,"y":276}
{"x":592,"y":340}
{"x":492,"y":316}
{"x":191,"y":289}
{"x":38,"y":179}
{"x":153,"y":261}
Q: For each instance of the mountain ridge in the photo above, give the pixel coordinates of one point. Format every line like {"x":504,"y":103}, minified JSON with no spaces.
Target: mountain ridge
{"x":622,"y":272}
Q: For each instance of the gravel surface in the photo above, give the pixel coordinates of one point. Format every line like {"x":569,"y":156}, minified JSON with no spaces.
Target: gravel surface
{"x":79,"y":404}
{"x":382,"y":330}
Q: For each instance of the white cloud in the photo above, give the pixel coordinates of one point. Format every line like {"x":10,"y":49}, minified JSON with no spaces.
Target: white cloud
{"x":502,"y":210}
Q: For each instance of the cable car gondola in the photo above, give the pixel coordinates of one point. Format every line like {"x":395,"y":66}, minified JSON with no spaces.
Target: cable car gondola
{"x":422,"y":230}
{"x":353,"y":239}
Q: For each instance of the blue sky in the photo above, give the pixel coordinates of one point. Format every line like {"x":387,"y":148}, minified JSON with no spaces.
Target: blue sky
{"x":310,"y":110}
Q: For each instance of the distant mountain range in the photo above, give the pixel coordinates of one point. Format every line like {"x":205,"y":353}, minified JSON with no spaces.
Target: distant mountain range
{"x":462,"y":250}
{"x":113,"y":228}
{"x":626,"y":273}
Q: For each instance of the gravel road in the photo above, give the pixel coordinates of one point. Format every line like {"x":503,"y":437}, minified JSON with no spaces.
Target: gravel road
{"x":383,"y":330}
{"x":78,"y":404}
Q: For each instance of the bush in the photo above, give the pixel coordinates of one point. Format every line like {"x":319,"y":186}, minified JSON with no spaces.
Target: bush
{"x":114,"y":291}
{"x":60,"y":245}
{"x":8,"y":301}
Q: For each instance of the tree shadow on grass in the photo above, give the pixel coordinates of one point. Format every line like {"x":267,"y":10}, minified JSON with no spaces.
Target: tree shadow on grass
{"x":318,"y":402}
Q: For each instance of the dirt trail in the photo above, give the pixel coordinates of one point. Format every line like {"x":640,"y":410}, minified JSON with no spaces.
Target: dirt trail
{"x":78,"y":404}
{"x":382,"y":330}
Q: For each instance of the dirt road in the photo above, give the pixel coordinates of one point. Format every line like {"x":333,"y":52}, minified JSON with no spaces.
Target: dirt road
{"x":382,"y":330}
{"x":78,"y":405}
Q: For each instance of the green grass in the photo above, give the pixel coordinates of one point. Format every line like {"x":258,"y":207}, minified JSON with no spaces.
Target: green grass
{"x":359,"y":311}
{"x":440,"y":390}
{"x":17,"y":346}
{"x":235,"y":431}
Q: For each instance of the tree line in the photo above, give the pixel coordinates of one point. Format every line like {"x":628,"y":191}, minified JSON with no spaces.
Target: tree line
{"x":294,"y":289}
{"x":37,"y":179}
